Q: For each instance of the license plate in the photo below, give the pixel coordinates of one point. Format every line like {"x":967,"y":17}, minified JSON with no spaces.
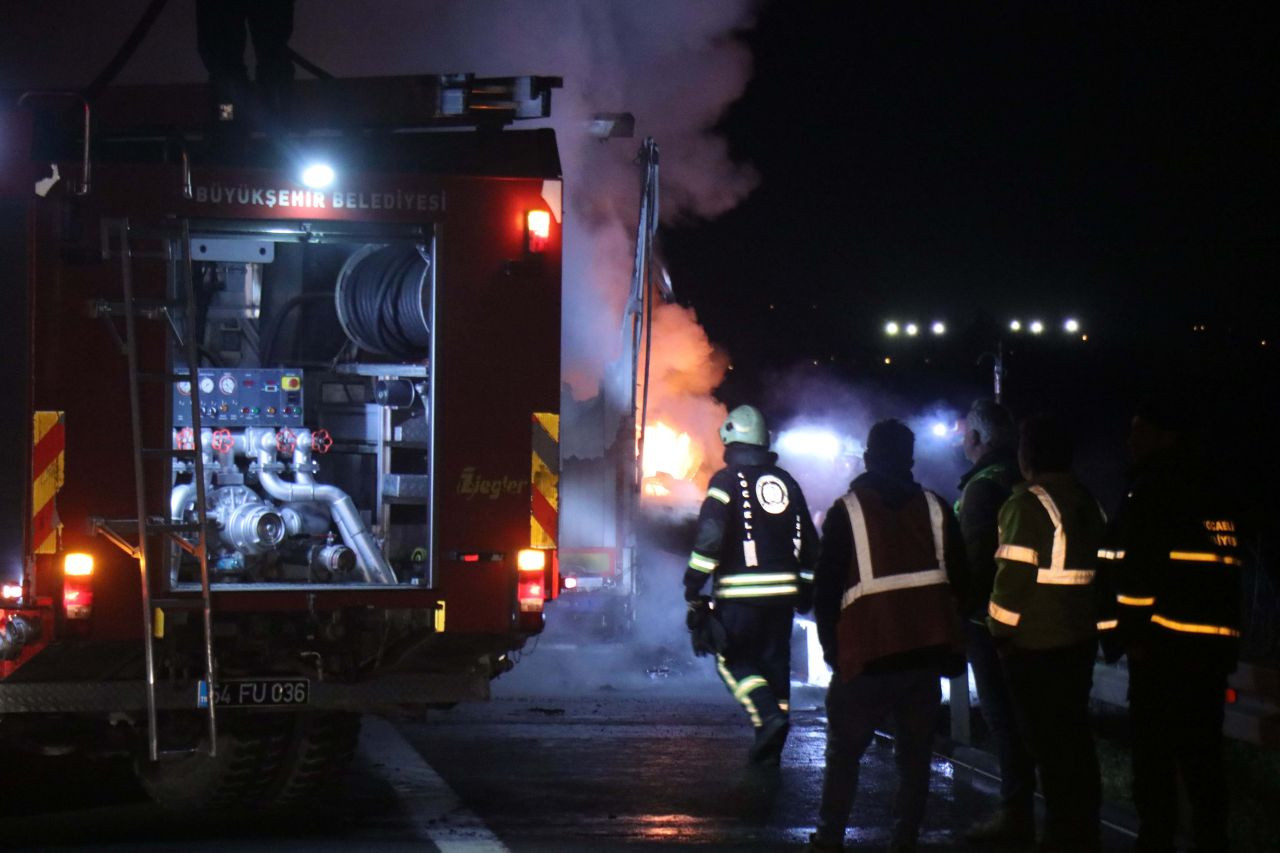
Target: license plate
{"x":248,"y":692}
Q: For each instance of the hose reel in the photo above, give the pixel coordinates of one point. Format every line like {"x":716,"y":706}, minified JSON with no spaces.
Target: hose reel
{"x":381,"y":299}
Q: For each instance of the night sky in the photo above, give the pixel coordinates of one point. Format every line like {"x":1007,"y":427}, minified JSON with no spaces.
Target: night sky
{"x":980,"y":162}
{"x":1109,"y":161}
{"x":1116,"y":162}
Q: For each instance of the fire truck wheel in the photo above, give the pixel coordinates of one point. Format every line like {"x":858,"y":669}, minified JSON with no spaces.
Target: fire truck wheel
{"x":250,"y":753}
{"x":319,"y":750}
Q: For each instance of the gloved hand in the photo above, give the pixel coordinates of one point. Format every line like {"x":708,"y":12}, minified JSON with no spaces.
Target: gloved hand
{"x":706,"y":634}
{"x":698,"y":612}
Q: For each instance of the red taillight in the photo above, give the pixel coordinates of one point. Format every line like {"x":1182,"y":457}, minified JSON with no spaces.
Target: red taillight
{"x":1232,"y":697}
{"x":537,"y":230}
{"x":77,"y":586}
{"x":531,"y":560}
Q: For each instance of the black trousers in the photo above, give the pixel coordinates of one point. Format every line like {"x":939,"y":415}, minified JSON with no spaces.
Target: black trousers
{"x":756,"y":665}
{"x":911,"y":699}
{"x":1017,"y":769}
{"x":1176,"y":719}
{"x":1050,"y":690}
{"x":221,"y":28}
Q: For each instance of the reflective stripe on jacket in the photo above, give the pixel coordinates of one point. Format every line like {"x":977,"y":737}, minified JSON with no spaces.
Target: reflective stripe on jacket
{"x":1175,"y":549}
{"x":897,"y":598}
{"x":1045,"y":594}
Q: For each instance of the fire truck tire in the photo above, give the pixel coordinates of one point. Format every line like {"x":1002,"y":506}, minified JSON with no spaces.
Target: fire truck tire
{"x":241,"y":775}
{"x":319,"y":751}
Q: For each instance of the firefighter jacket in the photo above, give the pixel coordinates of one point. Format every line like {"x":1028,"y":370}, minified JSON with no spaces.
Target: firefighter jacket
{"x":1174,"y":546}
{"x":755,"y":536}
{"x":889,"y":580}
{"x":984,"y":489}
{"x":1045,"y":595}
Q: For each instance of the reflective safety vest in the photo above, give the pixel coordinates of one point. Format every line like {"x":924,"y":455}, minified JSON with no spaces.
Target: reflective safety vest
{"x":1044,"y":595}
{"x":897,"y":598}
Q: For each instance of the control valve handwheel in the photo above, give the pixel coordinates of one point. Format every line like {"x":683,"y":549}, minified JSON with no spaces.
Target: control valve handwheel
{"x":286,"y":440}
{"x":223,"y":441}
{"x":321,"y":441}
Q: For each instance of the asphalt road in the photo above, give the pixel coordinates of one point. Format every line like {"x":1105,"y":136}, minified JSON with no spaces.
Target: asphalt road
{"x":582,"y":748}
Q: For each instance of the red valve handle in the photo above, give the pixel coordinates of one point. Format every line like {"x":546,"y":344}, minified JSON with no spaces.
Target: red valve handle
{"x":321,"y":441}
{"x":186,"y":439}
{"x":286,"y":440}
{"x":222,"y":440}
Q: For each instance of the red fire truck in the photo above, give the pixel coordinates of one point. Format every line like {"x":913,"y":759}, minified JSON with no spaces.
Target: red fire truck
{"x":281,"y":420}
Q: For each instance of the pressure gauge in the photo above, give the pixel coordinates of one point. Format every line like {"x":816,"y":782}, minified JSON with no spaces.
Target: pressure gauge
{"x":184,"y":388}
{"x":227,"y":384}
{"x":206,"y":384}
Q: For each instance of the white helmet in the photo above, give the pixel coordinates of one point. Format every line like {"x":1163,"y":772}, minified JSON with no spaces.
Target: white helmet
{"x":745,"y":425}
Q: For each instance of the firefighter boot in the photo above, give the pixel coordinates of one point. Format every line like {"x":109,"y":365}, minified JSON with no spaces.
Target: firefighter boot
{"x":770,"y":738}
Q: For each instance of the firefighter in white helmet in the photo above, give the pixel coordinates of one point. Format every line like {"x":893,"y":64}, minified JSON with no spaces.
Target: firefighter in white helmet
{"x":757,"y":544}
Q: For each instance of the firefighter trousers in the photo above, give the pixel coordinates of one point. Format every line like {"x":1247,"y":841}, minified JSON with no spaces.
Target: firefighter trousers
{"x":756,"y":663}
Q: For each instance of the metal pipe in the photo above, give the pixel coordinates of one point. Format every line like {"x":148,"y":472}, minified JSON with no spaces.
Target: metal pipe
{"x":343,"y":509}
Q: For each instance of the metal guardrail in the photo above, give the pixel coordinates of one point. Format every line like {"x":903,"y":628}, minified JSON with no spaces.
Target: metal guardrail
{"x":1253,"y":716}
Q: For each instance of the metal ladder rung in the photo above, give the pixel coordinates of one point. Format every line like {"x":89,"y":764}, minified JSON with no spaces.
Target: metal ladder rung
{"x":162,"y":754}
{"x":177,"y":603}
{"x":173,"y":526}
{"x":165,"y":378}
{"x":168,"y":453}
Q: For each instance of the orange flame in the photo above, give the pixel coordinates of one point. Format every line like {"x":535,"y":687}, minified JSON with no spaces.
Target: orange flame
{"x":667,"y":451}
{"x":671,"y":458}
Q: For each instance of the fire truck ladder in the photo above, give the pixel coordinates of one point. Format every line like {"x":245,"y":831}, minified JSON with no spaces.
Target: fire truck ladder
{"x":133,"y":310}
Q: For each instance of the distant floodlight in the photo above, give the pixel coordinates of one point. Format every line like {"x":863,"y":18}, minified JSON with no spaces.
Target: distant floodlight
{"x":891,"y":328}
{"x":912,"y":330}
{"x":1071,"y":326}
{"x":810,"y":441}
{"x":318,"y":176}
{"x":938,"y":327}
{"x":939,"y":430}
{"x":1015,"y":326}
{"x":1036,"y":327}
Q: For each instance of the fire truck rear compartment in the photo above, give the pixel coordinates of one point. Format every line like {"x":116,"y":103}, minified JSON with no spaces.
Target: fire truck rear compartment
{"x":315,"y":399}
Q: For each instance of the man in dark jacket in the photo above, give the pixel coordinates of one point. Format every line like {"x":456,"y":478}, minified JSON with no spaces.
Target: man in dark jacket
{"x":990,"y":443}
{"x":886,"y":601}
{"x":756,"y":538}
{"x":1174,"y":548}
